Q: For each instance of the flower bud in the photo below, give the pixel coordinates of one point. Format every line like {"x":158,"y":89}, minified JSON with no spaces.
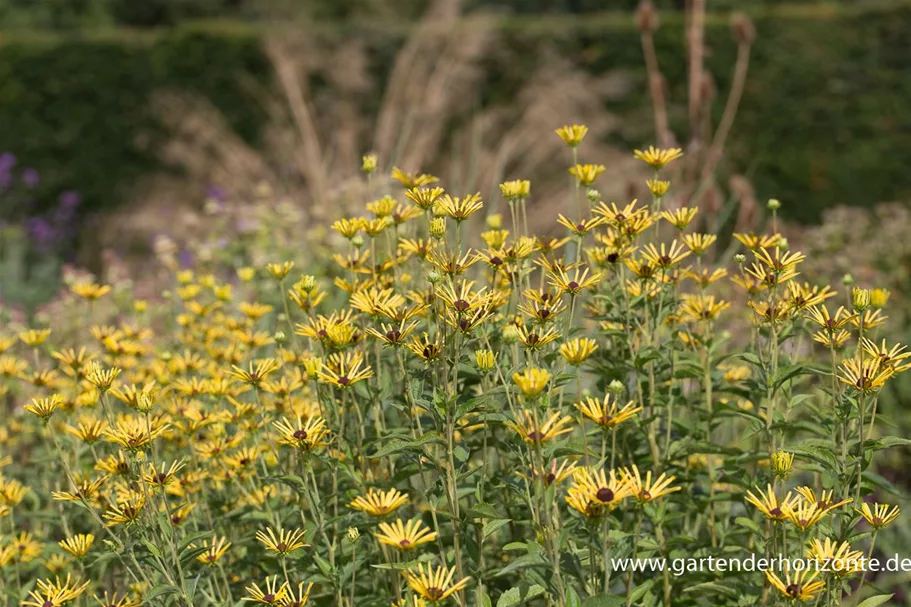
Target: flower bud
{"x":782,"y":461}
{"x":352,"y":535}
{"x":357,"y":240}
{"x":740,"y":258}
{"x":593,"y":195}
{"x":774,"y":204}
{"x":847,"y":280}
{"x":860,"y":298}
{"x":495,"y":221}
{"x":280,"y":337}
{"x":616,"y":387}
{"x":485,"y":360}
{"x":438,"y":228}
{"x":368,"y":163}
{"x":308,"y":283}
{"x":434,"y":277}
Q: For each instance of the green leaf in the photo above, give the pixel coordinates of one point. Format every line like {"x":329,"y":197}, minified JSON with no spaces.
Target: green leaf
{"x":399,"y":446}
{"x":492,"y":526}
{"x":514,"y":596}
{"x":748,"y":523}
{"x":572,"y":598}
{"x":873,"y":601}
{"x":712,"y":587}
{"x":159,"y":591}
{"x":527,"y":560}
{"x":605,"y":600}
{"x":152,"y":548}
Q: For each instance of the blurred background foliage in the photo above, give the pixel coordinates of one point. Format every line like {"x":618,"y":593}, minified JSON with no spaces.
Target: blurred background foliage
{"x":824,"y":118}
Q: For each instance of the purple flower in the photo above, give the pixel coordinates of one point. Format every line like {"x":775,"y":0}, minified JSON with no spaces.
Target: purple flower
{"x":30,"y":178}
{"x":7,"y":161}
{"x":69,"y":200}
{"x":186,"y":258}
{"x":40,"y":231}
{"x":216,"y":193}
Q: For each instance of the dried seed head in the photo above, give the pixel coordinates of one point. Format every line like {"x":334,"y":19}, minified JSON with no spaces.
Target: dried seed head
{"x":742,"y":28}
{"x":647,"y":16}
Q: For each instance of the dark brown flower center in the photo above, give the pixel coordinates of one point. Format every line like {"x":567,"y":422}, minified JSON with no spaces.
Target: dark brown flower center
{"x":268,"y":598}
{"x":776,"y":511}
{"x":344,"y":380}
{"x":605,"y":495}
{"x":573,"y":285}
{"x":792,"y":590}
{"x":300,"y":434}
{"x":460,"y":305}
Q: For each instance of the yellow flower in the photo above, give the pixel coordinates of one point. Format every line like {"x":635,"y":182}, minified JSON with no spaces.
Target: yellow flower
{"x":412,"y":180}
{"x":282,"y":543}
{"x":256,"y":372}
{"x":368,"y":163}
{"x":424,"y":198}
{"x":586,"y":174}
{"x":533,"y":339}
{"x":382,"y":207}
{"x":606,"y":412}
{"x":575,"y":284}
{"x":34,"y":337}
{"x":300,"y":599}
{"x":801,"y":586}
{"x":581,"y":227}
{"x":838,"y":558}
{"x":879,"y":297}
{"x":90,"y":290}
{"x":280,"y":270}
{"x":781,"y":463}
{"x":602,"y":489}
{"x":769,"y":504}
{"x":518,"y":189}
{"x":425,"y":349}
{"x":699,"y":243}
{"x":680,"y":218}
{"x":379,"y":503}
{"x":805,"y":514}
{"x":867,"y":375}
{"x":824,"y":501}
{"x":460,"y":209}
{"x":860,"y":299}
{"x":658,"y":188}
{"x":56,"y":593}
{"x":531,"y":382}
{"x":101,"y":378}
{"x":572,"y":134}
{"x":665,"y":257}
{"x":215,"y":549}
{"x":531,"y":431}
{"x":879,"y":515}
{"x":133,"y":433}
{"x":553,"y":474}
{"x":578,"y":350}
{"x":485,"y":360}
{"x":434,"y":585}
{"x":274,"y":594}
{"x":127,"y":510}
{"x":658,"y":158}
{"x":647,"y":491}
{"x":78,"y":545}
{"x":403,"y":536}
{"x":44,"y":407}
{"x":125,"y":600}
{"x":305,"y":436}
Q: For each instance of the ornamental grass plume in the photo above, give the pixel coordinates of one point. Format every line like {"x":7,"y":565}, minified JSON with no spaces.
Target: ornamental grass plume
{"x":434,"y":405}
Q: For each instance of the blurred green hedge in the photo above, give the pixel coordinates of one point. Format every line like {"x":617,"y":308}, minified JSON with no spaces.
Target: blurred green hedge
{"x":824,"y":121}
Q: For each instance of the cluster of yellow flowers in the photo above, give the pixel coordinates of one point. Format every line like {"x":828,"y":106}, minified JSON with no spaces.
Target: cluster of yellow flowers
{"x":233,"y":439}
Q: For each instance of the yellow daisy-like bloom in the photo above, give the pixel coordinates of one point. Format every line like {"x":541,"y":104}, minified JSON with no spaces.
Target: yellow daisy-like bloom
{"x":85,"y":490}
{"x":531,"y":382}
{"x":805,"y":514}
{"x":282,"y":543}
{"x":657,"y":187}
{"x":553,"y":474}
{"x":582,"y":226}
{"x":426,"y":349}
{"x":603,"y":489}
{"x":572,"y":134}
{"x":125,"y":600}
{"x":256,"y":372}
{"x":405,"y":536}
{"x":879,"y":515}
{"x":12,"y":491}
{"x":699,"y":243}
{"x":159,"y":478}
{"x":134,"y":433}
{"x":348,"y":227}
{"x":573,"y":285}
{"x":56,"y":563}
{"x":460,"y":209}
{"x":215,"y":549}
{"x":34,"y":337}
{"x":836,"y":339}
{"x":90,"y":290}
{"x":802,"y":586}
{"x":586,"y":174}
{"x":867,"y":375}
{"x":769,"y":504}
{"x":754,"y":242}
{"x":824,"y":501}
{"x":101,"y":378}
{"x":695,"y":308}
{"x":656,"y":157}
{"x":56,"y":593}
{"x":274,"y":593}
{"x":305,"y":436}
{"x":647,"y":490}
{"x":518,"y":189}
{"x":485,"y":360}
{"x":127,"y":510}
{"x":280,"y":270}
{"x":879,"y":297}
{"x":578,"y":350}
{"x":379,"y":503}
{"x":665,"y":257}
{"x":44,"y":407}
{"x":782,"y":461}
{"x":298,"y":599}
{"x":606,"y":412}
{"x":78,"y":545}
{"x":838,"y":558}
{"x":412,"y":180}
{"x":434,"y":585}
{"x":680,"y":218}
{"x":533,"y":432}
{"x":424,"y":198}
{"x":532,"y":338}
{"x":888,"y":357}
{"x":344,"y":372}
